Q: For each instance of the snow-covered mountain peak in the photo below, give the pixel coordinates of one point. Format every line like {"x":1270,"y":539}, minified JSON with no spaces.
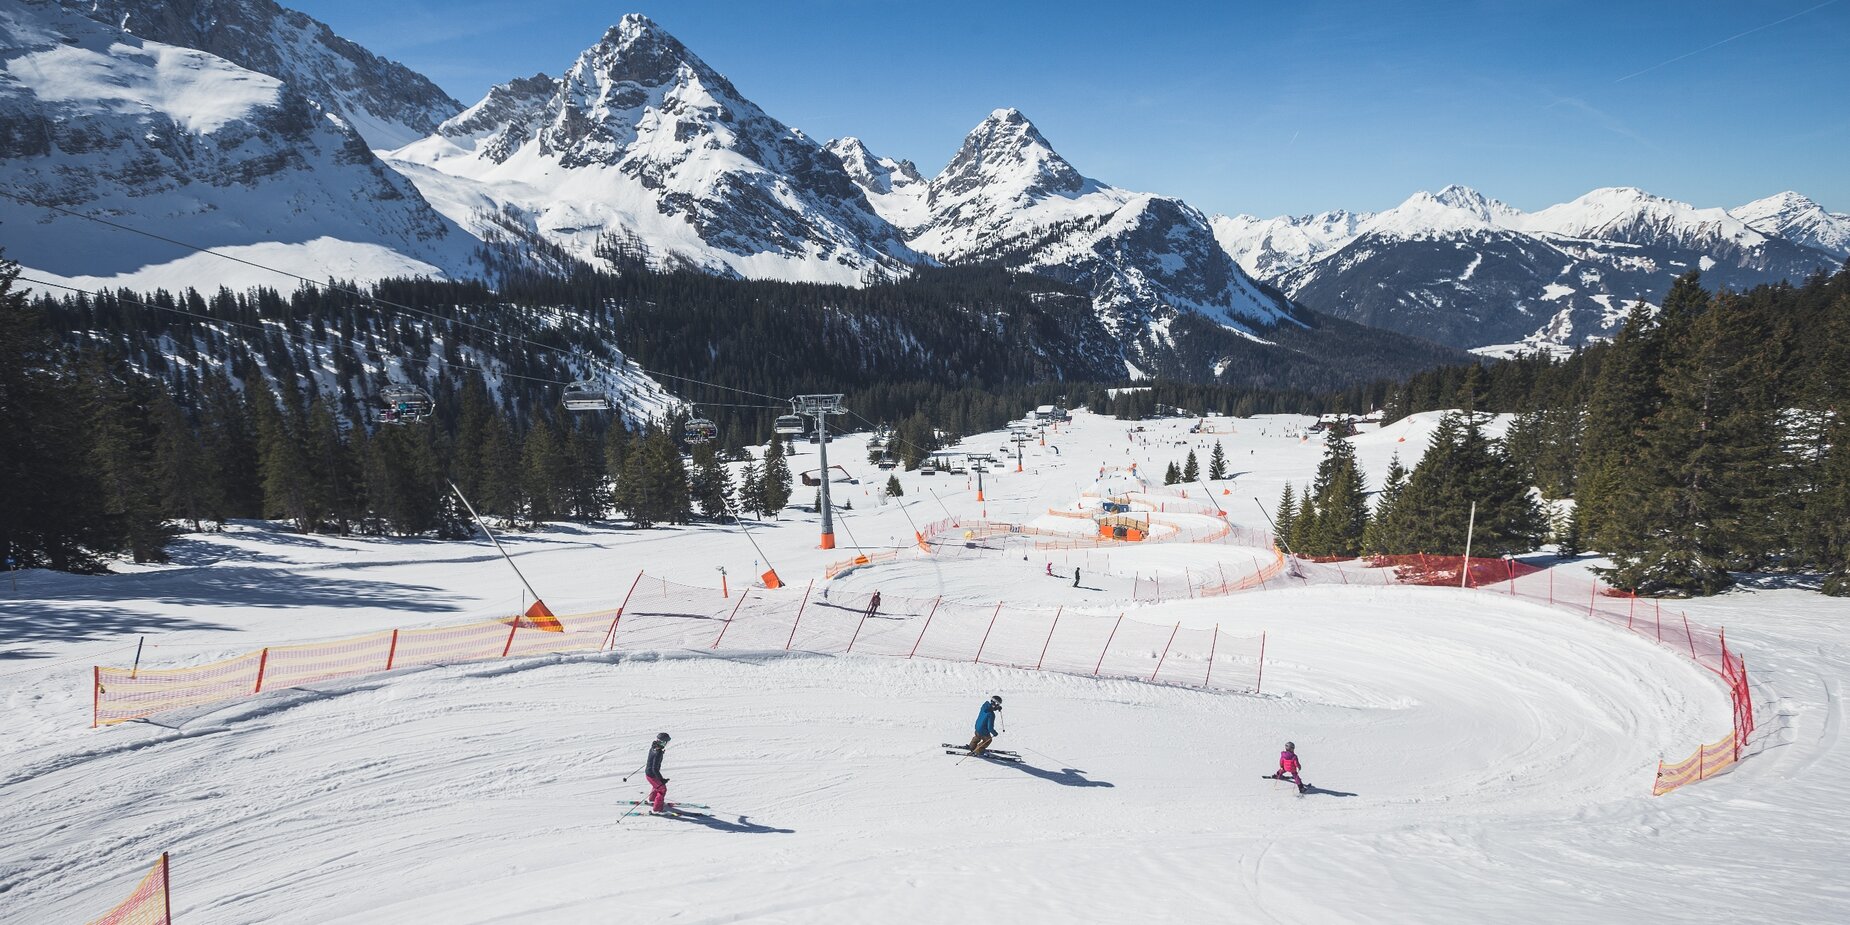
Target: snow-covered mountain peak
{"x":1632,"y":215}
{"x":1795,"y":216}
{"x":1010,"y":159}
{"x":1270,"y":247}
{"x":387,"y":103}
{"x":504,"y":119}
{"x":641,"y":148}
{"x":895,"y":188}
{"x":871,"y":170}
{"x":638,"y":50}
{"x":103,"y":122}
{"x":1453,"y":210}
{"x":1470,"y":200}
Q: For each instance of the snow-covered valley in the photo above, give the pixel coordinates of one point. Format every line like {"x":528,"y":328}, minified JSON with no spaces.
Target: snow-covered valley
{"x":1475,"y":758}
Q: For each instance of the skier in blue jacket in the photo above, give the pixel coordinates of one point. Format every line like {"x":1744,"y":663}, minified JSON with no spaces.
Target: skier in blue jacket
{"x":986,"y":725}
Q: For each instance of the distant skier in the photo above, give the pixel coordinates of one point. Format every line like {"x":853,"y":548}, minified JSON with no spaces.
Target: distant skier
{"x":986,"y":725}
{"x":1050,"y":570}
{"x":658,"y":785}
{"x":873,"y":605}
{"x":1289,"y":765}
{"x":1075,"y":576}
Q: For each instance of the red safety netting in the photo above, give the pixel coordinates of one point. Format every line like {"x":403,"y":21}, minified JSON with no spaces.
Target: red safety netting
{"x":146,"y":905}
{"x":1641,"y":616}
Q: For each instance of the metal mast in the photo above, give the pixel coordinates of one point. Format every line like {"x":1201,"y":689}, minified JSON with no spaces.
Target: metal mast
{"x":820,"y":407}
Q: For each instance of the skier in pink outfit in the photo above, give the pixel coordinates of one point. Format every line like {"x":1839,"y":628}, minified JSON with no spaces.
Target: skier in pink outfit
{"x":1289,"y":765}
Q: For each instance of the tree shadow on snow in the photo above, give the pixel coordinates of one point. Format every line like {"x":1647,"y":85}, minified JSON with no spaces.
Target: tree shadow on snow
{"x":744,"y":825}
{"x":282,"y":588}
{"x":26,"y":624}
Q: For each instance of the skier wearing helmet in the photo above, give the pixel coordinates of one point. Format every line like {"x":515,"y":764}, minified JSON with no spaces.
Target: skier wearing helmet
{"x":658,"y":785}
{"x":1288,"y":766}
{"x":986,"y":725}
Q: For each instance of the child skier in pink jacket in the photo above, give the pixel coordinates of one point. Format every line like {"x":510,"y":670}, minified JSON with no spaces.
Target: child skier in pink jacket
{"x":1288,"y":766}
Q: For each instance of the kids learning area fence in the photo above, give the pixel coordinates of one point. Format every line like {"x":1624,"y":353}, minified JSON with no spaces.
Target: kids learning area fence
{"x":658,"y":613}
{"x":661,"y":614}
{"x":146,"y":904}
{"x":1641,"y":616}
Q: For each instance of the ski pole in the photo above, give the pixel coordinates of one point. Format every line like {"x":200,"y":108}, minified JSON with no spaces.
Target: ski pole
{"x":633,"y":808}
{"x":626,"y":777}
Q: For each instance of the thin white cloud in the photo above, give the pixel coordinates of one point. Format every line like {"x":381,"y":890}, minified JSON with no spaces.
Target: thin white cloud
{"x":1725,"y":41}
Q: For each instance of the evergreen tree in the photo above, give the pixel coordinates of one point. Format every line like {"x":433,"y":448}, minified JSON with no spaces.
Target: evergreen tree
{"x":228,"y":438}
{"x":1462,"y":468}
{"x":122,"y":439}
{"x":336,"y":476}
{"x":586,"y":495}
{"x":499,"y":492}
{"x":1217,"y":463}
{"x":544,"y":473}
{"x":1304,"y":524}
{"x":1385,"y":535}
{"x":1625,"y":393}
{"x":49,"y":516}
{"x":186,"y":485}
{"x":751,"y":490}
{"x":711,"y":484}
{"x":404,"y":484}
{"x":893,"y":488}
{"x":288,"y":485}
{"x":1172,"y":475}
{"x":472,"y":423}
{"x":1191,"y":469}
{"x":1700,"y":499}
{"x":776,"y":480}
{"x":1287,"y":516}
{"x":655,"y":482}
{"x":1340,"y":497}
{"x":1567,"y":534}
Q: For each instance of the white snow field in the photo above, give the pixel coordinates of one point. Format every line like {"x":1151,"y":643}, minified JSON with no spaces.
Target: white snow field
{"x":1474,"y":758}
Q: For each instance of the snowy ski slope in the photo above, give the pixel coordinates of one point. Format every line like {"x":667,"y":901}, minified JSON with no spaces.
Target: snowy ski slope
{"x":1475,"y":759}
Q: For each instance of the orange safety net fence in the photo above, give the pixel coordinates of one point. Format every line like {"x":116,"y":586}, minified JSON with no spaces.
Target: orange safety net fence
{"x":659,"y":613}
{"x":146,"y":905}
{"x":123,"y":694}
{"x":662,"y":613}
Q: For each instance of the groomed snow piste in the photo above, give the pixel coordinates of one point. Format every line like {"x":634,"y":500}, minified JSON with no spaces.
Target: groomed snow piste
{"x":1475,"y":759}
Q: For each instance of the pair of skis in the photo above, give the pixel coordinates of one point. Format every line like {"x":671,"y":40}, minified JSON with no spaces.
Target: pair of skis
{"x":1302,"y":787}
{"x":997,"y":754}
{"x":674,"y":809}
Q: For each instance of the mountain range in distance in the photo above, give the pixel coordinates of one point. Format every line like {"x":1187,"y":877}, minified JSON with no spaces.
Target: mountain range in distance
{"x":253,"y":129}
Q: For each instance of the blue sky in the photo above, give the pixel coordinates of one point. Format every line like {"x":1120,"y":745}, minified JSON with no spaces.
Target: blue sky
{"x":1262,"y":108}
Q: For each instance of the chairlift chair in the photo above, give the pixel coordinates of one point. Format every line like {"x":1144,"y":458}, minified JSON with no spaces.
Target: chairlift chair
{"x":789,"y":424}
{"x":699,"y":430}
{"x":404,"y":404}
{"x":584,"y":395}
